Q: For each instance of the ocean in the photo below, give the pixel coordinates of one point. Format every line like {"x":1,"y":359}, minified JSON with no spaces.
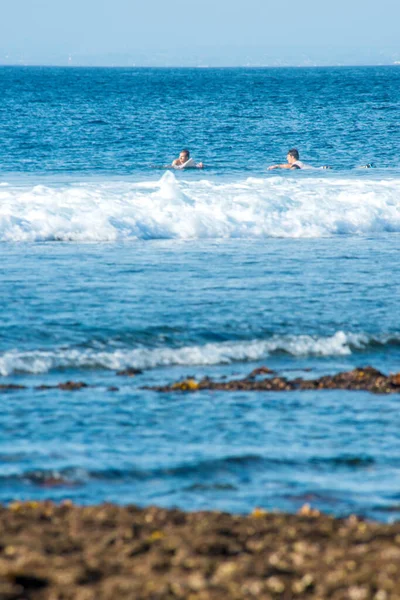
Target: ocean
{"x":111,"y":262}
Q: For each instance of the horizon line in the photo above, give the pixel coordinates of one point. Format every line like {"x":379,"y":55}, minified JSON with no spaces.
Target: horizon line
{"x":177,"y":66}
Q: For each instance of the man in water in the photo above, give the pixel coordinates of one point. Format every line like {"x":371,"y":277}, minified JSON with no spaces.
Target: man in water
{"x":293,"y":161}
{"x":185,"y":162}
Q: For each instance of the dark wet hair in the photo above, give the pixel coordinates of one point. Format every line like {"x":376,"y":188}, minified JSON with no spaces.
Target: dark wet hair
{"x":186,"y":152}
{"x":294,"y":152}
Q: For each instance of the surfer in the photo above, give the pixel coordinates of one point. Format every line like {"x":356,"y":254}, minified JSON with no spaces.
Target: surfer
{"x":293,"y":161}
{"x":185,"y":162}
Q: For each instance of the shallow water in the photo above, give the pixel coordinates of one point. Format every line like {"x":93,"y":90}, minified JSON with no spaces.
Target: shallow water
{"x":175,"y":309}
{"x":107,"y":264}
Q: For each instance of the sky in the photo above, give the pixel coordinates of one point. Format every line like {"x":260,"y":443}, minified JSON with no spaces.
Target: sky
{"x":199,"y":32}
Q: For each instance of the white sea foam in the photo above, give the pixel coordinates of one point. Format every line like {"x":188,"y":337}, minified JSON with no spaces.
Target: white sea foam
{"x":41,"y":361}
{"x":166,"y":209}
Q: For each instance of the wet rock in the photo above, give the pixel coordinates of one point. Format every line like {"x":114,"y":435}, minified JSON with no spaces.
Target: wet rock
{"x":396,"y":379}
{"x":129,"y":372}
{"x":72,"y":386}
{"x":261,"y":371}
{"x":367,"y":378}
{"x":10,"y":387}
{"x":68,"y":386}
{"x":188,"y":385}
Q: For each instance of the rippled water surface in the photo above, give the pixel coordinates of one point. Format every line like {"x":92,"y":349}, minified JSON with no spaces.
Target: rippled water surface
{"x":109,"y":263}
{"x":119,"y":121}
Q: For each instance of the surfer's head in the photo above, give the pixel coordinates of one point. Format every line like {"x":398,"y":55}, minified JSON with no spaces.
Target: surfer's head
{"x":292,"y":156}
{"x":184,"y":155}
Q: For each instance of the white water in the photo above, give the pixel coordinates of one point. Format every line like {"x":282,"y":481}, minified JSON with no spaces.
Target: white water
{"x":43,"y":361}
{"x":274,"y":206}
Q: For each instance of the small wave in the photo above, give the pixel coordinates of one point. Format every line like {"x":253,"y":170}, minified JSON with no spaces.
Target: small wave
{"x":53,"y":478}
{"x":75,"y":476}
{"x":44,"y":361}
{"x":345,"y":461}
{"x":68,"y":477}
{"x":97,"y":122}
{"x":199,"y":209}
{"x":201,"y":471}
{"x":217,"y":487}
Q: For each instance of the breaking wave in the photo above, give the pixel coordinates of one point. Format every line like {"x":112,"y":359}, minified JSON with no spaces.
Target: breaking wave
{"x":274,"y":206}
{"x":44,"y":361}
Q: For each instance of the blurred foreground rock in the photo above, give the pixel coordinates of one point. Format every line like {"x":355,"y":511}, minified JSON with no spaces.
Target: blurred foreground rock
{"x":108,"y":552}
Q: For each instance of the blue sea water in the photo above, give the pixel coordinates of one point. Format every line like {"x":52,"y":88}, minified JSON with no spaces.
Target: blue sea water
{"x":110,"y":262}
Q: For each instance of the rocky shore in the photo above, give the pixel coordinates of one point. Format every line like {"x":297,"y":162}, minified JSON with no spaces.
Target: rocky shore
{"x":60,"y":552}
{"x":265,"y":380}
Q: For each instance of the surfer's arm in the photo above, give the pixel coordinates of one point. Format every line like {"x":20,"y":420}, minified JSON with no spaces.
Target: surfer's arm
{"x":285,"y":166}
